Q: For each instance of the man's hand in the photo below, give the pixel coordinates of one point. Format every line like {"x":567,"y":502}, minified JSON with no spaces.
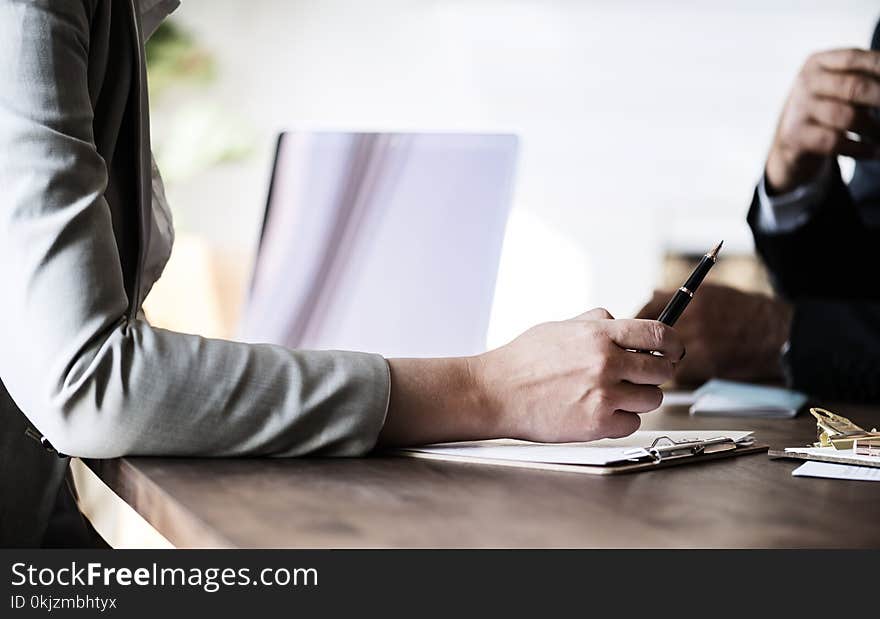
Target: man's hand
{"x":831,"y":99}
{"x":579,"y":380}
{"x":574,"y":380}
{"x":728,"y":333}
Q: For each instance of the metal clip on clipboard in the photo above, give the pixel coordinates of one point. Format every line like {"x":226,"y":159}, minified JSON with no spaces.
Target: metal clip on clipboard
{"x":664,"y":448}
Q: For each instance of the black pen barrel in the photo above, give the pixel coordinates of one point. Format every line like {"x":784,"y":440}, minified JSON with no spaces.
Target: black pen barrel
{"x":675,"y":307}
{"x":683,"y":295}
{"x":699,"y":274}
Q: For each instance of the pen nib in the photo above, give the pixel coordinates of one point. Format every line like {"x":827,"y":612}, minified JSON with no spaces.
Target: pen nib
{"x":714,"y":253}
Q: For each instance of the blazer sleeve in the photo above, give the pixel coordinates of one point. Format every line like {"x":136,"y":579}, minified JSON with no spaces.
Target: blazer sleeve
{"x":828,"y":255}
{"x":93,"y":382}
{"x":826,"y":270}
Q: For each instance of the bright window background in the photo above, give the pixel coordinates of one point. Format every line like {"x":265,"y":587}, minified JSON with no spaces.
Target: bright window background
{"x":644,"y":124}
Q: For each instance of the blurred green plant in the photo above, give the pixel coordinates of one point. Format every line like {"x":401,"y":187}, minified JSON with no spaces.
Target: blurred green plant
{"x":200,"y":132}
{"x":174,"y":58}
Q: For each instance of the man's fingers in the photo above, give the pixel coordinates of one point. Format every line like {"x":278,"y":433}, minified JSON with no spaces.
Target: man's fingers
{"x":842,"y":116}
{"x":620,"y":423}
{"x":642,"y":368}
{"x":634,"y":398}
{"x":599,"y":313}
{"x":863,"y":60}
{"x":639,"y":334}
{"x":821,"y":140}
{"x":855,"y":88}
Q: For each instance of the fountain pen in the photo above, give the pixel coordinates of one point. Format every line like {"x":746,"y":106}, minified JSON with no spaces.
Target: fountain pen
{"x":683,"y":295}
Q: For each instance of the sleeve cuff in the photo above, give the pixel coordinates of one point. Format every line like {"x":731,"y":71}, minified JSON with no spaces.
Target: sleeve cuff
{"x":787,"y":212}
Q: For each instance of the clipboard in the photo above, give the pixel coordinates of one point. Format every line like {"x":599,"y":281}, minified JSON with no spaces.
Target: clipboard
{"x":661,"y":454}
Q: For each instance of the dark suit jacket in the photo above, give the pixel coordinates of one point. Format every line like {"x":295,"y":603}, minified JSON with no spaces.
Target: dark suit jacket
{"x":827,"y":269}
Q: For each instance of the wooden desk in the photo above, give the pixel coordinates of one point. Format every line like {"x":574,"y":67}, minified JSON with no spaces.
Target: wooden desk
{"x":745,"y":502}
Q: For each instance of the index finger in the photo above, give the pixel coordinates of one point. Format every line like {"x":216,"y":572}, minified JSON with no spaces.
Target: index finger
{"x":853,"y":88}
{"x":640,"y":334}
{"x":853,"y":59}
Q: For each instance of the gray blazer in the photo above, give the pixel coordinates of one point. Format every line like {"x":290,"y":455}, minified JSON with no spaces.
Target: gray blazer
{"x":77,"y":361}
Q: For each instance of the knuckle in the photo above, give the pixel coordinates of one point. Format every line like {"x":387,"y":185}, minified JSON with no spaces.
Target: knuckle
{"x":595,"y":335}
{"x":811,"y":62}
{"x":804,"y":79}
{"x":854,"y":87}
{"x":850,"y":57}
{"x":659,"y":334}
{"x":605,"y":365}
{"x":603,"y":313}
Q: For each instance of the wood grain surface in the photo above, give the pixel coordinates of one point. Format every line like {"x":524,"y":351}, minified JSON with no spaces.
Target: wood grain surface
{"x":744,"y":502}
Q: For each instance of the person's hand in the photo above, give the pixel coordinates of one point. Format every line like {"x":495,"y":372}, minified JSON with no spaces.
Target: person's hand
{"x":832,"y":95}
{"x":577,"y":380}
{"x":728,"y":333}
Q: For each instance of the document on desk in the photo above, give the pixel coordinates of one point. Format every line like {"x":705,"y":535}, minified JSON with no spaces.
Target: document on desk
{"x":727,"y":398}
{"x":832,"y":455}
{"x":555,"y":456}
{"x":830,"y":470}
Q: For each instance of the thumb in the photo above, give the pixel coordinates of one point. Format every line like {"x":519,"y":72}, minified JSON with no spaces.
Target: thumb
{"x":599,"y":313}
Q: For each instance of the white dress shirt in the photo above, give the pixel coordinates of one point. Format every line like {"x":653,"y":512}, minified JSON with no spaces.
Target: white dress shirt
{"x":786,"y":212}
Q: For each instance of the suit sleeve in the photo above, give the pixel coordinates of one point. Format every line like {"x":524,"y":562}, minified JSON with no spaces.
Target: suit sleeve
{"x":826,"y":256}
{"x":825,"y":269}
{"x":93,"y":382}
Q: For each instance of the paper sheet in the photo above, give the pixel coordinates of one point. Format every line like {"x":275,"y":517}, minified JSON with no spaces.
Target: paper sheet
{"x":678,"y":398}
{"x":735,"y":399}
{"x":596,"y":453}
{"x":830,"y":470}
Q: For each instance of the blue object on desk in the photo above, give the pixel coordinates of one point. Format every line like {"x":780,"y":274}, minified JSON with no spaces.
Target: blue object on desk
{"x":727,"y":398}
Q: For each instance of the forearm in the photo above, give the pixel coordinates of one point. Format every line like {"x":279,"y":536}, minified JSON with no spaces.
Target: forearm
{"x":136,"y":390}
{"x":434,"y":400}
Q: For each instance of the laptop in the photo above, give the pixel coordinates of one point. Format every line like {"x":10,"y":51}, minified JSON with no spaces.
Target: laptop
{"x":381,"y":242}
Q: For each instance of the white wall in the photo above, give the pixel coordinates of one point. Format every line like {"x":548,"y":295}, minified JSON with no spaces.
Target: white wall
{"x":644,"y":123}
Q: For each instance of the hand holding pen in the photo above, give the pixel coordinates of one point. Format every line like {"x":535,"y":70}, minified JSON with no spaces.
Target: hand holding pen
{"x":682,"y":297}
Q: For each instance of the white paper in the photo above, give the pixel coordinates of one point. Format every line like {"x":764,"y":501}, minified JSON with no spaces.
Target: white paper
{"x":831,"y":470}
{"x":734,"y":399}
{"x":847,"y":454}
{"x":678,"y":398}
{"x":602,"y":452}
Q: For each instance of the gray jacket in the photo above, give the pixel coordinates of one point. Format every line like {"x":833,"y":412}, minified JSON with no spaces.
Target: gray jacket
{"x":77,"y":224}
